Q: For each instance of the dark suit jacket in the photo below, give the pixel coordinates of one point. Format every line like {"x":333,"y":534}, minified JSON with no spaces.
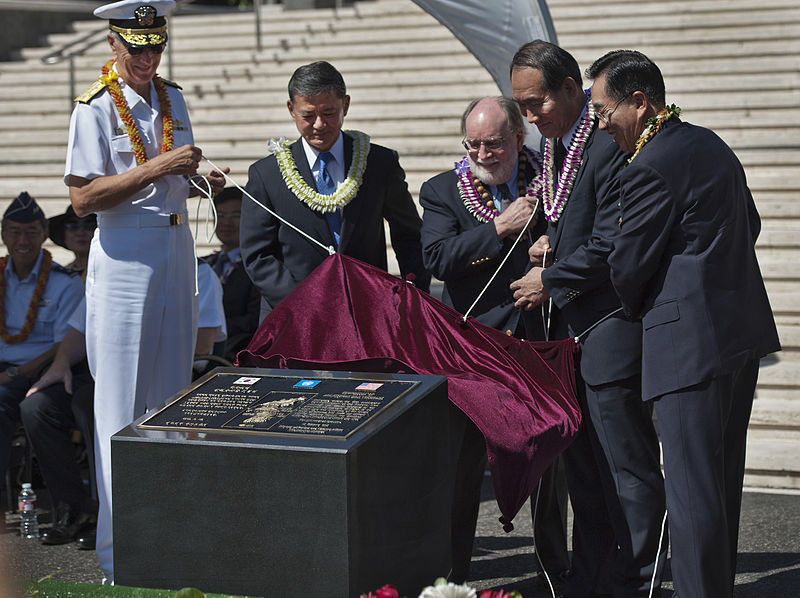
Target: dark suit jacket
{"x":579,"y":279}
{"x":684,"y":260}
{"x":277,"y":258}
{"x":240,"y":300}
{"x":464,"y":252}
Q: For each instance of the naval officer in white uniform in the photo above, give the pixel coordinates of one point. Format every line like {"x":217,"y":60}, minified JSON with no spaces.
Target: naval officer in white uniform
{"x":130,"y":152}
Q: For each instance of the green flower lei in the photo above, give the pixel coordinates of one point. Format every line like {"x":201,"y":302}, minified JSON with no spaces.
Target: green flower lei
{"x":317,"y":201}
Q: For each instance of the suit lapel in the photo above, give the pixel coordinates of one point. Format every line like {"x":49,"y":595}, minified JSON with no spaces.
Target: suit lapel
{"x":320,"y":231}
{"x":350,"y":212}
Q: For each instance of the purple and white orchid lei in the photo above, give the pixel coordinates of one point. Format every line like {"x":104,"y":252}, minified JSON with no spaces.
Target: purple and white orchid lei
{"x":472,"y":200}
{"x":555,"y":198}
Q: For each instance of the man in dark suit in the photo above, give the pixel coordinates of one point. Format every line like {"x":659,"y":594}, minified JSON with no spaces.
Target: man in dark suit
{"x":472,"y":216}
{"x":240,"y":298}
{"x":684,"y":264}
{"x":613,"y":470}
{"x":334,"y":186}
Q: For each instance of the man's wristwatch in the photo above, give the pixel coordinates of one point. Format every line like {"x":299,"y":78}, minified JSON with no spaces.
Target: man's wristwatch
{"x":12,"y":372}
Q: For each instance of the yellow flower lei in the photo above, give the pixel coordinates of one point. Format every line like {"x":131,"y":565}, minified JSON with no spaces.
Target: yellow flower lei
{"x":317,"y":201}
{"x":111,"y":80}
{"x":654,"y":125}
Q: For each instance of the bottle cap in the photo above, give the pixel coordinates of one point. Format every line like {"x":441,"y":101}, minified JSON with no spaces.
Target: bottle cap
{"x":26,"y":485}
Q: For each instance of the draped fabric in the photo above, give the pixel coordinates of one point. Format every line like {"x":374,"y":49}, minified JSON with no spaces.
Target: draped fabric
{"x":348,"y":315}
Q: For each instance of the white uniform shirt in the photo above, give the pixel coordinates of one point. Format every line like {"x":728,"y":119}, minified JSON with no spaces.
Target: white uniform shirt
{"x":99,"y":146}
{"x":210,"y":311}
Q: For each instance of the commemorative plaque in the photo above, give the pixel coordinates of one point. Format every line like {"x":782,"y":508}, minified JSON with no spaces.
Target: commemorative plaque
{"x":314,"y":406}
{"x":287,"y":483}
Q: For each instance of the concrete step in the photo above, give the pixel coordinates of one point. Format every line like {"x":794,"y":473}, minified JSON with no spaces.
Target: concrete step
{"x":780,"y":375}
{"x":235,"y":72}
{"x":771,"y":459}
{"x":785,"y":304}
{"x":700,"y":9}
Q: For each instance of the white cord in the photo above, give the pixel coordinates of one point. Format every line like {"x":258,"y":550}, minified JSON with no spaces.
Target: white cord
{"x":503,"y":263}
{"x":658,"y":553}
{"x":546,"y":316}
{"x":212,"y":208}
{"x":535,"y":549}
{"x":328,"y":248}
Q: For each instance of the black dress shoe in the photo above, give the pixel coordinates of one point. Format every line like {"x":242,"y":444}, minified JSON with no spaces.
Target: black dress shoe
{"x":68,"y":526}
{"x":87,"y":541}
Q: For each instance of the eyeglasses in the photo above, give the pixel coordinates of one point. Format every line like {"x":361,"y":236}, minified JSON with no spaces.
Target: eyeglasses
{"x":138,"y":50}
{"x":606,"y":116}
{"x":492,"y":144}
{"x":78,"y":225}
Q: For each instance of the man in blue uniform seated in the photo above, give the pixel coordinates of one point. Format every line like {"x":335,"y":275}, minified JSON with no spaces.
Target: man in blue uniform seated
{"x":38,"y":298}
{"x":58,"y":403}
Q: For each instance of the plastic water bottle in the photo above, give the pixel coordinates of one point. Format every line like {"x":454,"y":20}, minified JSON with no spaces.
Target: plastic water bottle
{"x":28,"y":519}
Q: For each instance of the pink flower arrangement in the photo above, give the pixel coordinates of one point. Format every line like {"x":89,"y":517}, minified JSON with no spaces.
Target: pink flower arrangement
{"x":386,"y":591}
{"x":499,"y":594}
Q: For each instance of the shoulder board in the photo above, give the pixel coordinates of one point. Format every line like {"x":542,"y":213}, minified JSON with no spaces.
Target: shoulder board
{"x":171,"y":83}
{"x":90,"y":93}
{"x":64,"y":270}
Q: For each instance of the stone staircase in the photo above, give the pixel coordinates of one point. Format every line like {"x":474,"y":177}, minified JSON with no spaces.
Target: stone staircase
{"x":732,"y":65}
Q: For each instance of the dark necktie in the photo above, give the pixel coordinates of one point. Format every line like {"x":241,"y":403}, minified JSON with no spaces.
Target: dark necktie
{"x":561,"y":153}
{"x":327,"y":186}
{"x":505,"y":196}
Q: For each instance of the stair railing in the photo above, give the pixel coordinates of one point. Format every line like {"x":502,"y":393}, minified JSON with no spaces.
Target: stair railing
{"x":69,"y":51}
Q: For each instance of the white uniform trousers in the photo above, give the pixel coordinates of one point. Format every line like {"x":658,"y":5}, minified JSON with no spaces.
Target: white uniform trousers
{"x":141,"y":327}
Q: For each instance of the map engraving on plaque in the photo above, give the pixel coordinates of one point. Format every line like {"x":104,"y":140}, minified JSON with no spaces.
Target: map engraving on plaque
{"x":282,"y":405}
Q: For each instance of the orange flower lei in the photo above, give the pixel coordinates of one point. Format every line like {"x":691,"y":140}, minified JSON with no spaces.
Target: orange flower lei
{"x":33,"y":306}
{"x":111,"y":81}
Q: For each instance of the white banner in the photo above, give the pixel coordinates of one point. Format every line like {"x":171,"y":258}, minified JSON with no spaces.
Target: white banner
{"x":493,"y":30}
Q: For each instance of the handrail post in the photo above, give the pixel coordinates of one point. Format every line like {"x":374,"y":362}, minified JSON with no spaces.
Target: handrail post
{"x":170,"y":76}
{"x":71,"y":81}
{"x":257,"y":12}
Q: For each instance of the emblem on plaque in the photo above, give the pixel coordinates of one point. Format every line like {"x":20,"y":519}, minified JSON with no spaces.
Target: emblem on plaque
{"x":145,"y":15}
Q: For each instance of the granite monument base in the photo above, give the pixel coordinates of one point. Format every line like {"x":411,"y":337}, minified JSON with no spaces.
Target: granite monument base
{"x":334,"y":500}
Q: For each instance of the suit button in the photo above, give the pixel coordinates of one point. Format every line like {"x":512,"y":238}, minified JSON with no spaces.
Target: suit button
{"x":509,"y":333}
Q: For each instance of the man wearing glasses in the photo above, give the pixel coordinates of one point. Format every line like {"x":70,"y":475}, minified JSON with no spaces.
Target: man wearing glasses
{"x":472,"y":216}
{"x":684,"y":263}
{"x":612,"y":467}
{"x":130,"y":152}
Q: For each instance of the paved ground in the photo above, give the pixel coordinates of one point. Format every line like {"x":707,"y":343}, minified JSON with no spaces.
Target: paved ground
{"x":769,"y":563}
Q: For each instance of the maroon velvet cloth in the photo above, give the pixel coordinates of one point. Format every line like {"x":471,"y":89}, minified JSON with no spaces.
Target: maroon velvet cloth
{"x":350,"y":316}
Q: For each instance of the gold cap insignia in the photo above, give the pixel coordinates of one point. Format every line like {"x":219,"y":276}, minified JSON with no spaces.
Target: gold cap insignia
{"x":145,"y":15}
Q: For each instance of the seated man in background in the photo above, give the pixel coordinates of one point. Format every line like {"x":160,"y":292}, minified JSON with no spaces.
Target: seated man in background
{"x":38,"y":298}
{"x":240,"y":299}
{"x":50,"y":412}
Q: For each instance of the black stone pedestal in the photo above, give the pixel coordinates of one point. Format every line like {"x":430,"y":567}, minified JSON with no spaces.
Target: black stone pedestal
{"x":282,"y":514}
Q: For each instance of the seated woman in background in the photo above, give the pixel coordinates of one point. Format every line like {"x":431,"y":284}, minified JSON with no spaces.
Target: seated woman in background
{"x":75,"y":234}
